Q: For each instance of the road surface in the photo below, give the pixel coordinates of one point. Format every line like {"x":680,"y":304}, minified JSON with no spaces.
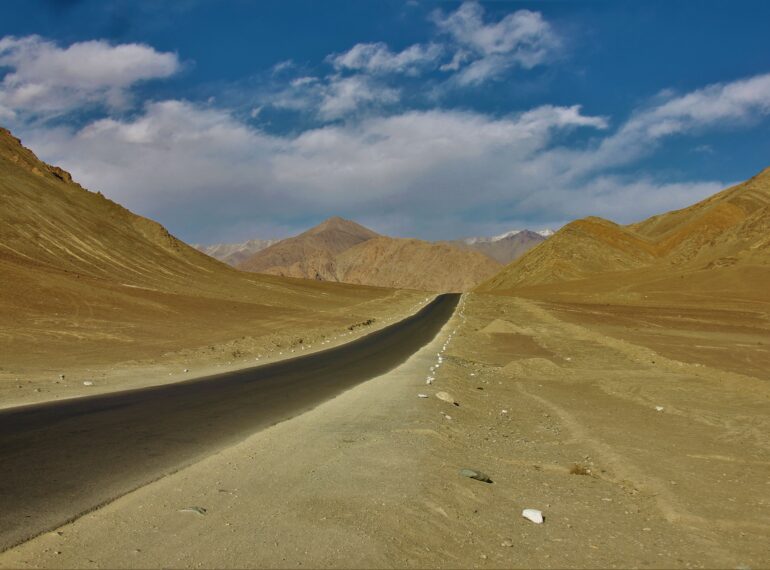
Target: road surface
{"x":59,"y":460}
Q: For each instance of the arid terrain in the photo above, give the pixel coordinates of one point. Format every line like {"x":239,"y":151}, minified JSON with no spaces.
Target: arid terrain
{"x":637,"y":457}
{"x":94,"y":293}
{"x":614,"y":378}
{"x":343,"y":251}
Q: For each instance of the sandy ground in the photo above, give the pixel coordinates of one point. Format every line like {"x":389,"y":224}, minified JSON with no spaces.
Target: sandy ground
{"x":671,"y":451}
{"x":32,"y":373}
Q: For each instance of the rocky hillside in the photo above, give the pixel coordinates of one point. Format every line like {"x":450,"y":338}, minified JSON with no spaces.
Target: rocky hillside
{"x":344,"y":251}
{"x":729,"y":231}
{"x":235,"y":253}
{"x":311,"y":254}
{"x":413,"y":264}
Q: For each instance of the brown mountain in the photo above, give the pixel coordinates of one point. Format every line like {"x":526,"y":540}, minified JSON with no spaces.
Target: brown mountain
{"x":311,"y":254}
{"x":344,"y":251}
{"x":413,"y":264}
{"x":83,"y":281}
{"x":719,"y":244}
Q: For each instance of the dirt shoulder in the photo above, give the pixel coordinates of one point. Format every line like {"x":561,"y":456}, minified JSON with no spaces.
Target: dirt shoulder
{"x":635,"y":459}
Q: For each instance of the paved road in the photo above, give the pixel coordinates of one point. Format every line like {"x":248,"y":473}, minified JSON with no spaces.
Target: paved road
{"x":59,"y":460}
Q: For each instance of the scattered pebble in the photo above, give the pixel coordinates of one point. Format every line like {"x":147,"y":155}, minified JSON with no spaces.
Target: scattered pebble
{"x":88,"y":383}
{"x":61,"y":376}
{"x":533,"y":515}
{"x":507,"y":543}
{"x":658,"y":408}
{"x":477,"y":475}
{"x":422,"y":395}
{"x":187,"y":369}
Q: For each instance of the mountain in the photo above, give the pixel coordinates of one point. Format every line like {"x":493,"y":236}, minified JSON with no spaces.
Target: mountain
{"x":84,"y":280}
{"x":311,"y":254}
{"x":344,"y":251}
{"x":235,"y":253}
{"x":720,"y":243}
{"x":506,"y":247}
{"x":413,"y":264}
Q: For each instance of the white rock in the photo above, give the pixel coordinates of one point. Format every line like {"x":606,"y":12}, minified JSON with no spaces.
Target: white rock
{"x":429,"y":380}
{"x":533,"y":515}
{"x":422,"y":395}
{"x":88,"y":383}
{"x":658,"y":408}
{"x":445,"y":397}
{"x":504,"y":412}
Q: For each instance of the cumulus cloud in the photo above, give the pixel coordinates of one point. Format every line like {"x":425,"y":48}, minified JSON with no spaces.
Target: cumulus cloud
{"x":427,"y":164}
{"x":718,"y":105}
{"x":44,"y":78}
{"x":332,"y":97}
{"x":377,"y":58}
{"x":522,"y":38}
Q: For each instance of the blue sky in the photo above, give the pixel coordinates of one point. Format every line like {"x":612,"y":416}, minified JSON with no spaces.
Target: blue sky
{"x":232,"y":120}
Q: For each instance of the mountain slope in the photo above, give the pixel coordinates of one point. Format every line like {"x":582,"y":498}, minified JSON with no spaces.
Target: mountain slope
{"x":505,"y":248}
{"x":83,"y":282}
{"x":235,"y":253}
{"x":728,"y":230}
{"x":343,"y":251}
{"x":413,"y":264}
{"x":309,"y":255}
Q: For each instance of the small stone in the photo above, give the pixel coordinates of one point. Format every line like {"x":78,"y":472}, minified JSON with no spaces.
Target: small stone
{"x":422,"y":395}
{"x":477,"y":475}
{"x":446,"y":397}
{"x":196,"y":510}
{"x":533,"y":515}
{"x":88,"y":383}
{"x":187,"y":369}
{"x":61,"y":376}
{"x":659,"y":408}
{"x":507,"y":543}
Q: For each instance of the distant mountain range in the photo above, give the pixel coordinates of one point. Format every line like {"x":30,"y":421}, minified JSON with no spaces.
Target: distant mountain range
{"x":342,"y":250}
{"x":235,"y":253}
{"x":321,"y":243}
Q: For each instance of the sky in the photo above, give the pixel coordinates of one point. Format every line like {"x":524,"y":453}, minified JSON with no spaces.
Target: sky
{"x":233,"y":120}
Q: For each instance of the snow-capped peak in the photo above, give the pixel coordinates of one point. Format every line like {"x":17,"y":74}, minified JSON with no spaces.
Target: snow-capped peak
{"x":474,"y":240}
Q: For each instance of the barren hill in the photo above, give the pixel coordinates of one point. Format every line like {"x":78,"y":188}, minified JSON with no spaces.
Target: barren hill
{"x":235,"y":253}
{"x":84,"y":281}
{"x":309,"y":255}
{"x":344,"y":251}
{"x":719,"y":244}
{"x":413,"y":264}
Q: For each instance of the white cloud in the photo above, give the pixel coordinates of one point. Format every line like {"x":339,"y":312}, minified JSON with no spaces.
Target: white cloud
{"x":377,"y":58}
{"x":715,"y":106}
{"x":45,"y":78}
{"x":522,"y":38}
{"x":344,"y":95}
{"x":423,"y":166}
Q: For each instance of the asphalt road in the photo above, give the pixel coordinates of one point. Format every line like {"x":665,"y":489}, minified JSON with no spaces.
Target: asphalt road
{"x":59,"y":460}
